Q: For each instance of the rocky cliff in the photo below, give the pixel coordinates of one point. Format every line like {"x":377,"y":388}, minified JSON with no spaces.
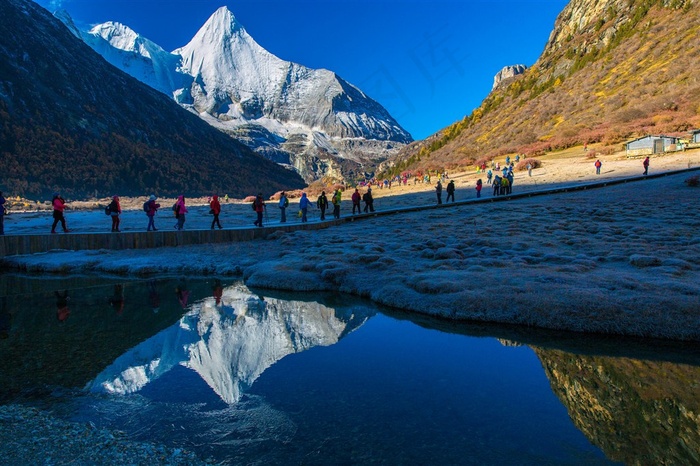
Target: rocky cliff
{"x":506,"y":73}
{"x":636,"y":411}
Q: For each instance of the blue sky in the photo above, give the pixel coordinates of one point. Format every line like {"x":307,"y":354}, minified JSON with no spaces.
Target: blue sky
{"x":429,"y":63}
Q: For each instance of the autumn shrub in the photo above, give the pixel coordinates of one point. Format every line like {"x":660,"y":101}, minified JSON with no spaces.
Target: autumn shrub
{"x":693,"y":181}
{"x":522,"y":165}
{"x":608,"y":150}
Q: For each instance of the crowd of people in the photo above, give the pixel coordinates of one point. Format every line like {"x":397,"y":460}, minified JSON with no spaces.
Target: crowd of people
{"x":502,"y":184}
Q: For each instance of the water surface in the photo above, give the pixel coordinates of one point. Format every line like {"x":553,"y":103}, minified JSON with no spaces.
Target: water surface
{"x":257,"y":377}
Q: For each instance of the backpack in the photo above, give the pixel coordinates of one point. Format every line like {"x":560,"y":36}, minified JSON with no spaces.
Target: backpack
{"x":108,"y":211}
{"x":176,"y":209}
{"x":146,"y":208}
{"x":253,"y":205}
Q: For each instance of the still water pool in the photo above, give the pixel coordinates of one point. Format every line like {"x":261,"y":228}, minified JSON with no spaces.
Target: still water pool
{"x":244,"y":376}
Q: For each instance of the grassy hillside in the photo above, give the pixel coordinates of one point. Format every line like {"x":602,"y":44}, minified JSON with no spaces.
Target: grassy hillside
{"x":612,"y":71}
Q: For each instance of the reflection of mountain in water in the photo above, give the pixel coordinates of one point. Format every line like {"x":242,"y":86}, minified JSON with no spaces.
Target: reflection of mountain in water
{"x":230,"y":346}
{"x":638,"y":412}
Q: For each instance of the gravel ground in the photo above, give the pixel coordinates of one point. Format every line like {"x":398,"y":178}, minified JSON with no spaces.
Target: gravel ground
{"x":31,"y":437}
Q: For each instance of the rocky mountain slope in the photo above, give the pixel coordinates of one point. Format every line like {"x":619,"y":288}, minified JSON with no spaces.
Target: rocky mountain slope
{"x":611,"y":71}
{"x":637,"y":411}
{"x":310,"y":119}
{"x":70,"y":122}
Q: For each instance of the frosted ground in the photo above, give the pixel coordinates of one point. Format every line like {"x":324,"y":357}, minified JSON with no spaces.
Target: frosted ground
{"x":620,"y":260}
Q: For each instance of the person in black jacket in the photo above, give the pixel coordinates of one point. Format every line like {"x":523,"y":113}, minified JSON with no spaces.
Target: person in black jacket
{"x":368,"y":200}
{"x":450,"y":191}
{"x":322,"y":204}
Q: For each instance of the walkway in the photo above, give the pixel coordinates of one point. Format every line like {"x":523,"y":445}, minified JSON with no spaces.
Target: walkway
{"x":22,"y":244}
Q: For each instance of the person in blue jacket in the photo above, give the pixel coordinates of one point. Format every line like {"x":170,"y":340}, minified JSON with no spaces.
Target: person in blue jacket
{"x":304,"y":204}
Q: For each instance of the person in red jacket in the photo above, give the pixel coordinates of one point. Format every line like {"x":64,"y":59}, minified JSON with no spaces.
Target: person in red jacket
{"x":259,"y":208}
{"x":151,"y":207}
{"x":356,"y":198}
{"x":215,"y":207}
{"x":645,"y":164}
{"x":59,"y":206}
{"x":598,"y":164}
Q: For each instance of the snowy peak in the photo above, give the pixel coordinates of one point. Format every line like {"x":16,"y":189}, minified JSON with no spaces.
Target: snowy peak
{"x":226,"y":57}
{"x":66,"y":19}
{"x":221,"y":26}
{"x":141,"y":58}
{"x":308,"y":119}
{"x":124,"y":38}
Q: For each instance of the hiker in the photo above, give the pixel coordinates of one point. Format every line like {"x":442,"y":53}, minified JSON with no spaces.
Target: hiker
{"x":259,"y":207}
{"x":5,"y":319}
{"x":62,"y":311}
{"x":115,"y":210}
{"x":151,"y":207}
{"x":478,"y":188}
{"x":438,"y":191}
{"x":117,"y":299}
{"x":182,"y":293}
{"x":356,"y":198}
{"x":59,"y":206}
{"x":180,"y":210}
{"x":645,"y":164}
{"x":2,"y":214}
{"x":217,"y":291}
{"x":489,"y":175}
{"x":450,"y":191}
{"x":153,"y":296}
{"x":368,"y":200}
{"x":322,"y":204}
{"x":496,"y":185}
{"x":284,"y":203}
{"x":215,"y":210}
{"x":529,"y":169}
{"x":510,"y":182}
{"x":336,"y":203}
{"x":304,"y":204}
{"x":598,"y":164}
{"x":505,"y":186}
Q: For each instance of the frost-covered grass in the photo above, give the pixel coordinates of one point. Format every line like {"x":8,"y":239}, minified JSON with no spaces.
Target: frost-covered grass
{"x":620,"y":260}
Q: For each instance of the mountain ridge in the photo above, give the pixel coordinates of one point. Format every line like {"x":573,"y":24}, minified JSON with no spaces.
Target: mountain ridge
{"x":611,"y":70}
{"x":309,"y":119}
{"x":72,"y":123}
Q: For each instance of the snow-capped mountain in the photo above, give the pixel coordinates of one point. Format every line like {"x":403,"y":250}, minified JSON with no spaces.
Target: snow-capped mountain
{"x":232,"y":344}
{"x":309,"y":118}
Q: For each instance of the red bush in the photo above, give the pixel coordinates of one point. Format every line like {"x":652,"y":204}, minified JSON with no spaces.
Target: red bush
{"x":522,"y":165}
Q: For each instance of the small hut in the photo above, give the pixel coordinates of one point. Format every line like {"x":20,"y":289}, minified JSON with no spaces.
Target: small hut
{"x":651,"y":144}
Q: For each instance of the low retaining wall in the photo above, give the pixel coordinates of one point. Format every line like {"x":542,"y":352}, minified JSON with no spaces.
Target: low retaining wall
{"x":11,"y":245}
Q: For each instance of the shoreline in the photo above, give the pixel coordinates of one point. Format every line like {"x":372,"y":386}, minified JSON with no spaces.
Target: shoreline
{"x":631,"y":267}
